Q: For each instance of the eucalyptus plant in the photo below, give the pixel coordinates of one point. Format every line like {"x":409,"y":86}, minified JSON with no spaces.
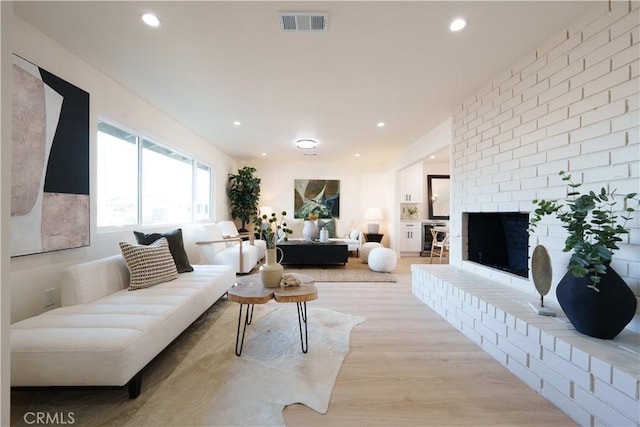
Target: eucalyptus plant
{"x":594,"y":225}
{"x":244,"y":193}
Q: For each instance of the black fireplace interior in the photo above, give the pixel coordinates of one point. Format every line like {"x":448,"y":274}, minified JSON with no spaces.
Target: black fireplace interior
{"x":499,"y":240}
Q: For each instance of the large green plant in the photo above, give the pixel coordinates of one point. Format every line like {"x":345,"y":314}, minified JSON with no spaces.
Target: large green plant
{"x":593,"y":225}
{"x":243,"y":190}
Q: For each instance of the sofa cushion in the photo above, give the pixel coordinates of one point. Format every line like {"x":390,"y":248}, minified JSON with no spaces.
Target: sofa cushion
{"x":86,"y":282}
{"x":176,"y":246}
{"x":149,"y":265}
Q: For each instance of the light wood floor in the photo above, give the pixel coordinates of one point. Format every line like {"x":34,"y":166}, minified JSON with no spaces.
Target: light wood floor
{"x":409,"y":367}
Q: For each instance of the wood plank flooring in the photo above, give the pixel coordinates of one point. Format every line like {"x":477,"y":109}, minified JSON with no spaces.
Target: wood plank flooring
{"x":409,"y":367}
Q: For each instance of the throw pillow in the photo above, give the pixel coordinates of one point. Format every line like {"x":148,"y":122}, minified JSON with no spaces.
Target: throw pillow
{"x":176,"y":246}
{"x":354,"y":235}
{"x":329,"y":224}
{"x":149,"y":265}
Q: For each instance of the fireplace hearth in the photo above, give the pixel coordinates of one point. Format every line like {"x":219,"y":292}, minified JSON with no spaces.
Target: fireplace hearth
{"x":499,"y":240}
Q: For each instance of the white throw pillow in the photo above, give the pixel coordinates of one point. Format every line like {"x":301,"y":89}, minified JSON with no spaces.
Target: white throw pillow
{"x":149,"y":265}
{"x":354,"y":235}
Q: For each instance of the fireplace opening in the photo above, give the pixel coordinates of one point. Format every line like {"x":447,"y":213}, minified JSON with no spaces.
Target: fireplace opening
{"x":499,"y":240}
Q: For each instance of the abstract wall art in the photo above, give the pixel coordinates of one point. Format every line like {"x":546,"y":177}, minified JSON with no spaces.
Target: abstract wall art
{"x":320,"y":196}
{"x":50,"y":162}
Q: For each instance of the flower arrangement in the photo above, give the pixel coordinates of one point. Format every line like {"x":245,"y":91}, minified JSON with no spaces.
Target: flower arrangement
{"x":594,"y":227}
{"x":312,"y":216}
{"x":271,"y":229}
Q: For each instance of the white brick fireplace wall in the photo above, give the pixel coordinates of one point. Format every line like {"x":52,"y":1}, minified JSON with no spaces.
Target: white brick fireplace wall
{"x":573,"y":105}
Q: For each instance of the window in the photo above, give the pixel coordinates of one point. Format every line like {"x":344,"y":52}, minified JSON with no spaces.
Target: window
{"x":146,"y":183}
{"x":202,"y":201}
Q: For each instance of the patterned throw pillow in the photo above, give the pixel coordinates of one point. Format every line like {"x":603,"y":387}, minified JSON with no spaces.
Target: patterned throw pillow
{"x":149,"y":265}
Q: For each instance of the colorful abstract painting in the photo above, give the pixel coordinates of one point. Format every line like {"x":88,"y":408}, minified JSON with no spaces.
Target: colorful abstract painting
{"x":319,"y":196}
{"x":50,"y":162}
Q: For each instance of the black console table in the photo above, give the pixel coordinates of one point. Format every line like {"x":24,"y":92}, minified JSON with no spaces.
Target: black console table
{"x":313,"y":253}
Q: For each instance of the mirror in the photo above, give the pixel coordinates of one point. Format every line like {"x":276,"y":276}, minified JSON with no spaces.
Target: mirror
{"x":438,"y":196}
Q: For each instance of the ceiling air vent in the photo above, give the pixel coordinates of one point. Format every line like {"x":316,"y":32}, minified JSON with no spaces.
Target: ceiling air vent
{"x":303,"y":21}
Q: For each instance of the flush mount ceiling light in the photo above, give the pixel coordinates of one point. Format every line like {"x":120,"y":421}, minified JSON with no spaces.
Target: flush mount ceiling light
{"x":457,"y":24}
{"x":306,"y":144}
{"x":151,"y":20}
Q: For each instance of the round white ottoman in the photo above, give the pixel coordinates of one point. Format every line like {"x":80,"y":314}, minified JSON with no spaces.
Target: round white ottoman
{"x":367,"y":248}
{"x":383,"y":260}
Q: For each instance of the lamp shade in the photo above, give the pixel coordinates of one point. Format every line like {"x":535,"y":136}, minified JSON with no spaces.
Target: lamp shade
{"x":374,"y":214}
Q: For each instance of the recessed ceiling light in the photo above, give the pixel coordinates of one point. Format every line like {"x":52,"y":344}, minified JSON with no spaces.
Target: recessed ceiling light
{"x":263,"y":154}
{"x":380,"y":124}
{"x":432,"y":157}
{"x":306,"y":144}
{"x":357,"y":154}
{"x":457,"y":24}
{"x":237,"y":123}
{"x":151,"y":20}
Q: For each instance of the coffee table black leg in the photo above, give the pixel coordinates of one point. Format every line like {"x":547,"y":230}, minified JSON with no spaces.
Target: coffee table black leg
{"x":248,"y":318}
{"x":302,"y":318}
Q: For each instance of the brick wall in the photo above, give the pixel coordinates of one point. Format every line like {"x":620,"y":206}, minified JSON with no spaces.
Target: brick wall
{"x":573,"y":105}
{"x":595,"y":382}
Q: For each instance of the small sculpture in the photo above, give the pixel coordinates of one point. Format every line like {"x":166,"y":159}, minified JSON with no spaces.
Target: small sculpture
{"x":542,"y":275}
{"x":289,"y":281}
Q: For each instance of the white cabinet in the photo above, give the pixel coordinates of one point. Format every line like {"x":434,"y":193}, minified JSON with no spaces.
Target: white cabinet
{"x":411,"y":184}
{"x":410,"y":238}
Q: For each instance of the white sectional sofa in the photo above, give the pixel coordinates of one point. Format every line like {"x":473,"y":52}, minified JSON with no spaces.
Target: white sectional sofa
{"x":104,"y":334}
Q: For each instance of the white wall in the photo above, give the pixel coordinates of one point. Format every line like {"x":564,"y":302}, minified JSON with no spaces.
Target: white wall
{"x":31,"y":275}
{"x":358,"y":190}
{"x":5,"y":190}
{"x":436,"y":139}
{"x":572,"y":104}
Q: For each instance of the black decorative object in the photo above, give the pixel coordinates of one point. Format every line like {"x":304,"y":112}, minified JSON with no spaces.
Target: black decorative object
{"x":600,"y":314}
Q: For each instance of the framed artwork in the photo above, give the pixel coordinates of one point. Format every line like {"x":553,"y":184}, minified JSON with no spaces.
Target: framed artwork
{"x":50,"y":162}
{"x":319,"y":196}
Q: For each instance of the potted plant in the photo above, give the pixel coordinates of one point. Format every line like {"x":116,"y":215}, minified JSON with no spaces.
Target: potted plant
{"x":593,"y":296}
{"x":244,"y":193}
{"x":271,"y":230}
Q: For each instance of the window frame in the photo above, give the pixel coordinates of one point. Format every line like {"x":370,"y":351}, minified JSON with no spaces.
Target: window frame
{"x":195,"y":162}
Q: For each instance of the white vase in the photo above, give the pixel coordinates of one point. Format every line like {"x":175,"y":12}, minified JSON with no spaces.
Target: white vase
{"x":271,"y":271}
{"x":310,"y":230}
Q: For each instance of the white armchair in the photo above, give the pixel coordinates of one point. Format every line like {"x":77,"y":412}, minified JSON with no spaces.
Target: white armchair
{"x":353,"y":240}
{"x":229,"y":230}
{"x":217,"y":249}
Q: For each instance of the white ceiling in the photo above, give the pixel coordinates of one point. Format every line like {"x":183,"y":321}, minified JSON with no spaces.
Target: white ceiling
{"x":211,"y":63}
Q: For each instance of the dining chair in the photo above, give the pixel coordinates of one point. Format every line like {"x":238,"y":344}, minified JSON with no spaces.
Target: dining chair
{"x":439,"y":244}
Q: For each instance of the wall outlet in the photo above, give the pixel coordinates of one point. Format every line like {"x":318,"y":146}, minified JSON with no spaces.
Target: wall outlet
{"x":50,"y":297}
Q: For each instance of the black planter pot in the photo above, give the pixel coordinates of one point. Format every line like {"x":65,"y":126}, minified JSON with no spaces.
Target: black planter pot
{"x":601,"y":314}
